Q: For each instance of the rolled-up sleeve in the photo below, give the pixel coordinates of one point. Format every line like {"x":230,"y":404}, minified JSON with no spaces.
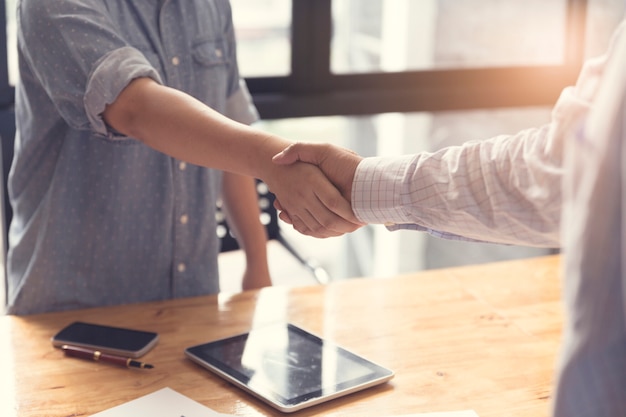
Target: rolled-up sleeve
{"x":102,"y":89}
{"x":80,"y":76}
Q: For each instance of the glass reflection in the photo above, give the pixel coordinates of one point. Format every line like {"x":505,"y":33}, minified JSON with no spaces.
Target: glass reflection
{"x":263,"y":30}
{"x":400,"y":35}
{"x":292,"y":366}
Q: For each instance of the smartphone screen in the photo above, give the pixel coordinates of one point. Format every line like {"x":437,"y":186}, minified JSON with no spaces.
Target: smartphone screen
{"x":107,"y":339}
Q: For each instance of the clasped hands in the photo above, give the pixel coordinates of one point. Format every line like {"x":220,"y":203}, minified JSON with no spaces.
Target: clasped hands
{"x":334,"y":216}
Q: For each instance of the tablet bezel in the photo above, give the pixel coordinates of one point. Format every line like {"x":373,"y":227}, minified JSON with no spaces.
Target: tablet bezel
{"x":376,"y":374}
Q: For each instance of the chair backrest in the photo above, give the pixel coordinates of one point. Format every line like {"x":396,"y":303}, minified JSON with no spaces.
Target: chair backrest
{"x":268,"y":217}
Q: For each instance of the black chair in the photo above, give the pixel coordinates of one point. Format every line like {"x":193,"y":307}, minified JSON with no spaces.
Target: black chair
{"x":269,"y":217}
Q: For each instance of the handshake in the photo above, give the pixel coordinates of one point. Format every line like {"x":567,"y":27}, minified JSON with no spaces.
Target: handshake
{"x":326,"y":210}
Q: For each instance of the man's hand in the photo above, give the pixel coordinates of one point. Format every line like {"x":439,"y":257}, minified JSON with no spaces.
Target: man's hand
{"x":338,"y":164}
{"x":315,"y":206}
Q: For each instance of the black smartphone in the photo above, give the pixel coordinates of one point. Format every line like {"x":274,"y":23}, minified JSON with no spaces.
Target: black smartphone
{"x":106,"y":339}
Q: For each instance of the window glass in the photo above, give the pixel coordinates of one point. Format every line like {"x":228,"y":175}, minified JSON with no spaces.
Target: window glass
{"x":374,"y":251}
{"x":11,"y":41}
{"x":400,"y":35}
{"x":263,"y":30}
{"x":602,"y":17}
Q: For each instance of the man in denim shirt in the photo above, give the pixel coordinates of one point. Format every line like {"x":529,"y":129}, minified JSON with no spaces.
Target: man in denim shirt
{"x":119,"y":151}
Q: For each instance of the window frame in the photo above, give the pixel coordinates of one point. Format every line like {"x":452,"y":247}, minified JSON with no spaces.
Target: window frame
{"x":7,"y":92}
{"x":312,"y":90}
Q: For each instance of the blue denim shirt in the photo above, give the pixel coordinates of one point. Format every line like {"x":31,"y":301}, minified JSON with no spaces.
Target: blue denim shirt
{"x":102,"y":219}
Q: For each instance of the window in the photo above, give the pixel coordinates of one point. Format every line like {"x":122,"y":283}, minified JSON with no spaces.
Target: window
{"x":325,"y":57}
{"x":8,"y":55}
{"x":372,"y":56}
{"x":263,"y":30}
{"x":408,"y":35}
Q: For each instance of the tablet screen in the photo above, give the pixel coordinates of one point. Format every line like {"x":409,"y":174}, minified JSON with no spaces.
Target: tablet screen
{"x":288,"y":367}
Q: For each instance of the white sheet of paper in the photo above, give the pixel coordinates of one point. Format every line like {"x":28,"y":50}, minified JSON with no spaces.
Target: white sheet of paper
{"x":162,"y":403}
{"x":168,"y":403}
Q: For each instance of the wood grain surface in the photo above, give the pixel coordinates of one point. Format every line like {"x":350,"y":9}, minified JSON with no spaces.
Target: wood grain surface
{"x":483,"y":337}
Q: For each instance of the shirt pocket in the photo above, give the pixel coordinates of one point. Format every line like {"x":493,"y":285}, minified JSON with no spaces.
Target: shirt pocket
{"x":210,"y":53}
{"x":211,"y":72}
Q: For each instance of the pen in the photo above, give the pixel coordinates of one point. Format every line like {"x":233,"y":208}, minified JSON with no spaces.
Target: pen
{"x":96,"y":355}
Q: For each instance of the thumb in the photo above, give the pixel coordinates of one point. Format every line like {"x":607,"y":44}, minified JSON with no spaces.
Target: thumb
{"x":295,"y":152}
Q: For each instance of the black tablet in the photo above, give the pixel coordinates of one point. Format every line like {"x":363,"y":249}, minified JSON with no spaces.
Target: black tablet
{"x":287,"y":367}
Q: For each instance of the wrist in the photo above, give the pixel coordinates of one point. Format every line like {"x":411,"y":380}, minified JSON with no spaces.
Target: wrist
{"x":260,"y":161}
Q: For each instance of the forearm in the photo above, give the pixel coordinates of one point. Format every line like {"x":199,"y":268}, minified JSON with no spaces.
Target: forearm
{"x":242,"y":211}
{"x":180,"y":126}
{"x":504,"y":190}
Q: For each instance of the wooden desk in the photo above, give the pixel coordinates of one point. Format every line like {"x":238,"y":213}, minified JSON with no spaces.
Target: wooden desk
{"x":482,"y":337}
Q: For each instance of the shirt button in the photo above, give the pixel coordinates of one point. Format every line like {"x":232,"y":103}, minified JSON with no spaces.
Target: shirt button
{"x":218,"y":53}
{"x":176,"y":60}
{"x":184,"y":219}
{"x":182,"y":165}
{"x":181,"y":267}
